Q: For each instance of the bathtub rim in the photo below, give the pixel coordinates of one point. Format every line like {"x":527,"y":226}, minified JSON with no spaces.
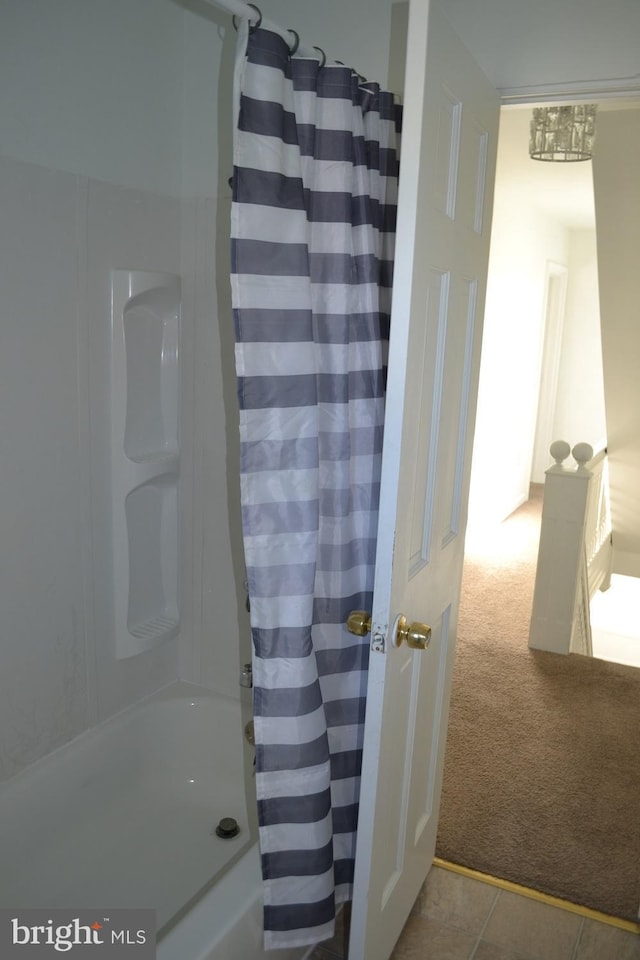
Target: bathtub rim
{"x":231,"y":916}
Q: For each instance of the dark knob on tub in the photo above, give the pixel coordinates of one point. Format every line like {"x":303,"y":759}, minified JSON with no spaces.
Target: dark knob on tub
{"x":227,"y":828}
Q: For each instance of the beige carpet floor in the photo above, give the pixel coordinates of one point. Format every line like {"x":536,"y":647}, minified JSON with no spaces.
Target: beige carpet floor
{"x":542,"y":771}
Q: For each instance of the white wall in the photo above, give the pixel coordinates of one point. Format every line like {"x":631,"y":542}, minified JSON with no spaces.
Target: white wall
{"x":580,"y":405}
{"x":617,"y":196}
{"x":93,"y":87}
{"x":523,"y":240}
{"x":524,"y":45}
{"x":356,"y":32}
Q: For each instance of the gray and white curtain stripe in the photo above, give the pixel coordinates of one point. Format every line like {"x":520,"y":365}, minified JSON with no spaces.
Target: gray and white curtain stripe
{"x":313,"y":222}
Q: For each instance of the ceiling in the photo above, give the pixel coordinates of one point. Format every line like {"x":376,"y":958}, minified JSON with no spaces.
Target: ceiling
{"x":564,"y":191}
{"x":551,"y":44}
{"x":561,"y":190}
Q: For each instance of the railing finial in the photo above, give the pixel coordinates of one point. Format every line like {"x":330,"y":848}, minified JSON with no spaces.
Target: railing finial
{"x":582,"y":453}
{"x":559,"y":450}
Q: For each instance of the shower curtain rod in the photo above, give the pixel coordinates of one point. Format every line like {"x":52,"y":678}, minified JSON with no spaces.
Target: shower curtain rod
{"x":251,"y":13}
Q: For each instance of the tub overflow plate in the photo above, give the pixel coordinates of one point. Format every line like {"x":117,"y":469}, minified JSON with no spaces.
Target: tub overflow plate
{"x":227,"y":828}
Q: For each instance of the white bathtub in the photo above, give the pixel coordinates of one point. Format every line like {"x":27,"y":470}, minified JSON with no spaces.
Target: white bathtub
{"x":226,"y":923}
{"x":125,"y":816}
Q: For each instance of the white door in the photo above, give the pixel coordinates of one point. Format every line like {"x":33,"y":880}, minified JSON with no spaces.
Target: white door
{"x":446,"y":191}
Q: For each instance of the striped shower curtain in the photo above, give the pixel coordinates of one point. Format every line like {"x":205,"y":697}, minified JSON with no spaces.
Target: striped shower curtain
{"x":313,"y":221}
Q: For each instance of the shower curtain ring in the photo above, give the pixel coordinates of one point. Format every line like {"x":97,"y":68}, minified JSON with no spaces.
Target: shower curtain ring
{"x":324,"y":56}
{"x":296,"y":41}
{"x":253,"y":27}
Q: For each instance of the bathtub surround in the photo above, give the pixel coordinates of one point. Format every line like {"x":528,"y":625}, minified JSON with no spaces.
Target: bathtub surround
{"x":144,"y":406}
{"x":61,"y":234}
{"x":313,"y":231}
{"x":75,"y":207}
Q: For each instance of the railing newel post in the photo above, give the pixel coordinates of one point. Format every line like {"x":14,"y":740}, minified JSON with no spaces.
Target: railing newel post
{"x":574,"y":550}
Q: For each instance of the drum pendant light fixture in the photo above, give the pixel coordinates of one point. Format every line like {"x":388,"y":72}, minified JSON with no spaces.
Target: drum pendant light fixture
{"x":563,"y":133}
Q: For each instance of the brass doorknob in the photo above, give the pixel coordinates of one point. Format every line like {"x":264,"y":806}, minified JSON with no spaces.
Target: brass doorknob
{"x":359,"y":622}
{"x":417,"y":635}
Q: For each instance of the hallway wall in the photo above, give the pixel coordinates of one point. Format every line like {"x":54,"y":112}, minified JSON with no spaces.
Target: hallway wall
{"x":617,"y":195}
{"x":580,"y":402}
{"x":523,"y":240}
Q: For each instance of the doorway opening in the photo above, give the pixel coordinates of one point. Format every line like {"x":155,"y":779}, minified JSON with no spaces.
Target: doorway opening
{"x":541,"y":375}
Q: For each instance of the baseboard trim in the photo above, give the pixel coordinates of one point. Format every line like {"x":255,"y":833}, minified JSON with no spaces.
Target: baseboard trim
{"x":537,"y":895}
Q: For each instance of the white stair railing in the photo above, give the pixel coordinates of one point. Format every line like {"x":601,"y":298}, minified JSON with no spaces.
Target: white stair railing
{"x":598,"y":529}
{"x":575,"y":551}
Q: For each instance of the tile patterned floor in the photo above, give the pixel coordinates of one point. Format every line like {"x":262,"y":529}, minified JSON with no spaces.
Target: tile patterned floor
{"x":462,"y":918}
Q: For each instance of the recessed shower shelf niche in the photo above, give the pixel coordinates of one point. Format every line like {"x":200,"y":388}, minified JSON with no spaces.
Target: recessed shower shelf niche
{"x":145,"y":458}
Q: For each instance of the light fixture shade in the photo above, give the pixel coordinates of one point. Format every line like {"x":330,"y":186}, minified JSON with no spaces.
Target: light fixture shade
{"x":563,"y":133}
